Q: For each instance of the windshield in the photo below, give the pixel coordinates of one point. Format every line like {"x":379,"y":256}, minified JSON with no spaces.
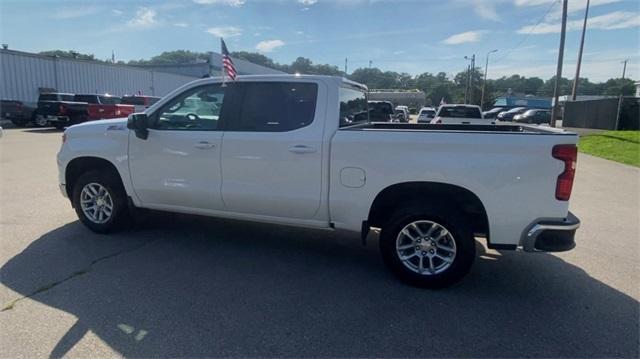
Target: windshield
{"x":460,"y":112}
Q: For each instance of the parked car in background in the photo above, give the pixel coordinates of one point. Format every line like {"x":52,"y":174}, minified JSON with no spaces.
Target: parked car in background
{"x":426,"y":114}
{"x":399,"y":116}
{"x":460,"y":114}
{"x":493,"y":113}
{"x":381,"y":111}
{"x":139,"y":102}
{"x":19,"y":113}
{"x":466,"y":182}
{"x":537,"y":116}
{"x":402,"y":113}
{"x":103,"y":107}
{"x":508,"y":115}
{"x":60,"y":109}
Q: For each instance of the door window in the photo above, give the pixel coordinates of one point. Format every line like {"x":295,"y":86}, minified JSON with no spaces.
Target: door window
{"x":275,"y":107}
{"x":197,"y":109}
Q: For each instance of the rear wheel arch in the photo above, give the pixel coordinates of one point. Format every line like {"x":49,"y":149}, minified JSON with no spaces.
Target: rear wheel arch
{"x":399,"y":195}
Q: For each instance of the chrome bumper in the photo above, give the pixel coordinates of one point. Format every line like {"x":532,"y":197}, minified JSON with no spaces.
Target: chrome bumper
{"x":551,"y":235}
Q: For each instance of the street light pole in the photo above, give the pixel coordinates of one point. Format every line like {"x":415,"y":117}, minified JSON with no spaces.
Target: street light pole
{"x":484,"y":83}
{"x":624,"y":69}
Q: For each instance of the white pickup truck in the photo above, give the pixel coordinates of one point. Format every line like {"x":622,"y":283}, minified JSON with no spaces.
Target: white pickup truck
{"x":299,"y":150}
{"x":456,"y":114}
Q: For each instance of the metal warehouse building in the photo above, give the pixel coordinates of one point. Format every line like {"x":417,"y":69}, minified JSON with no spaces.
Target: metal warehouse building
{"x":23,"y":76}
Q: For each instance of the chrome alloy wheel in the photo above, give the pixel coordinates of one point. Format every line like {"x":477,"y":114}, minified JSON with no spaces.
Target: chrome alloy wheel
{"x":41,"y":121}
{"x":426,"y":247}
{"x":96,"y":203}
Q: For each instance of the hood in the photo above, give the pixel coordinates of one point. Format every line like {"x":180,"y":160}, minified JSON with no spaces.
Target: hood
{"x":99,"y":126}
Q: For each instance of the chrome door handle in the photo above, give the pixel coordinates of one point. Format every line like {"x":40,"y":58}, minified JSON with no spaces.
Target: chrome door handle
{"x":203,"y":145}
{"x":301,"y":149}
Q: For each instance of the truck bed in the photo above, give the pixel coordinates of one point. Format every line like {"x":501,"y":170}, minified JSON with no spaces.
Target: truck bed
{"x":508,"y":128}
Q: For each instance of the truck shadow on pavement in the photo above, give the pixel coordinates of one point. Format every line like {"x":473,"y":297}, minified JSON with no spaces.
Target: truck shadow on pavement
{"x":189,"y":286}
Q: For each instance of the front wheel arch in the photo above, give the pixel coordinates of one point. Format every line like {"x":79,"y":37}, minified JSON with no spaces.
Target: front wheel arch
{"x":80,"y":165}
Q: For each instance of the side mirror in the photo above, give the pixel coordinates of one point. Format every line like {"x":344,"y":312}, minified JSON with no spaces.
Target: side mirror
{"x":139,"y":122}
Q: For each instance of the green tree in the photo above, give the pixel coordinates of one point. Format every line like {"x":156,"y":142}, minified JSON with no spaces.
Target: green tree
{"x":179,"y":57}
{"x":619,"y":86}
{"x":70,"y":54}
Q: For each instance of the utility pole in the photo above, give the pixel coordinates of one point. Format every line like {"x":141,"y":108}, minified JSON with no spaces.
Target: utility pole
{"x":484,"y":83}
{"x":345,"y":65}
{"x":370,"y":62}
{"x":468,"y":92}
{"x":466,"y":88}
{"x":624,"y":69}
{"x":574,"y":91}
{"x":556,"y":89}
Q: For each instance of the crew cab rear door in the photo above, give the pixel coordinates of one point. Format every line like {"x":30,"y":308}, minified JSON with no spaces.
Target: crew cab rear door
{"x":272,"y":149}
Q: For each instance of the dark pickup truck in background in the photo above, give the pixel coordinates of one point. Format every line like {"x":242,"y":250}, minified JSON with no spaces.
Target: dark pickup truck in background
{"x":19,"y":113}
{"x":60,"y":109}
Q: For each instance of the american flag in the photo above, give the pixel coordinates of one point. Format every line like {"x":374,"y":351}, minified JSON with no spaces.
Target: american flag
{"x":227,"y":63}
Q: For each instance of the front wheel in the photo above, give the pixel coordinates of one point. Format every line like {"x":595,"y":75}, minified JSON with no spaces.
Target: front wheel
{"x":100,"y":201}
{"x":429,"y":246}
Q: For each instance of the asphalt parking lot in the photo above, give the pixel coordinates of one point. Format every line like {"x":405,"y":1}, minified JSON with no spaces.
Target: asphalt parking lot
{"x":192,"y":286}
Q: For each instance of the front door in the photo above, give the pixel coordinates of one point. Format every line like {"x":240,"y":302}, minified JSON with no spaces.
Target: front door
{"x":178,"y":165}
{"x":272,"y":150}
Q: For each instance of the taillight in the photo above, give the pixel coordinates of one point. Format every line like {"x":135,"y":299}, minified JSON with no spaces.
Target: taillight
{"x":64,"y":138}
{"x":62,"y":109}
{"x":569,"y":155}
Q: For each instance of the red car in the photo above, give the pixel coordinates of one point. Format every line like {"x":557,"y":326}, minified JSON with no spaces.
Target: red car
{"x":104,"y":106}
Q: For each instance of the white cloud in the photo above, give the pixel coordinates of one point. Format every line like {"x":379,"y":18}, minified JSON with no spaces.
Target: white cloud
{"x":486,"y":9}
{"x":610,"y":21}
{"x":463,"y":37}
{"x":225,"y":31}
{"x":181,"y":24}
{"x":234,"y":3}
{"x":74,"y":13}
{"x":117,"y":12}
{"x":573,"y":6}
{"x":269,"y":45}
{"x":144,"y":17}
{"x":307,"y":2}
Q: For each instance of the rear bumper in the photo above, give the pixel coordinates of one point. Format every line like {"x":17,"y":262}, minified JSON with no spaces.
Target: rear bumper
{"x":551,"y":235}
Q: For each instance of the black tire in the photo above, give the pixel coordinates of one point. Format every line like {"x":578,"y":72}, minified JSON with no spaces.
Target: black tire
{"x":37,"y":122}
{"x":120,"y":215}
{"x":59,"y":125}
{"x":19,"y":123}
{"x":454,"y":221}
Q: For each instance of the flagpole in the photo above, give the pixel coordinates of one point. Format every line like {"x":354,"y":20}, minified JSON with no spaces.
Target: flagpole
{"x":224,"y":78}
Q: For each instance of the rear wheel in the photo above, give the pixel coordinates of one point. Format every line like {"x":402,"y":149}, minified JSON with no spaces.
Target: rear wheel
{"x":428,"y":246}
{"x":100,"y":201}
{"x":40,"y":121}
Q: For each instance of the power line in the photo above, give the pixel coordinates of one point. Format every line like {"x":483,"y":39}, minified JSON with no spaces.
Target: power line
{"x":509,"y":51}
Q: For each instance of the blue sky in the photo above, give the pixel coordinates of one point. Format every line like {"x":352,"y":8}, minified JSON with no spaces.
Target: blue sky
{"x":404,"y":36}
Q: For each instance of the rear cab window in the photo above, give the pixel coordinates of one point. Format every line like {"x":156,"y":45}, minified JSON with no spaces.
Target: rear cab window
{"x":274,"y":106}
{"x":353,"y":107}
{"x":460,"y":112}
{"x":86,"y":98}
{"x":109,"y":100}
